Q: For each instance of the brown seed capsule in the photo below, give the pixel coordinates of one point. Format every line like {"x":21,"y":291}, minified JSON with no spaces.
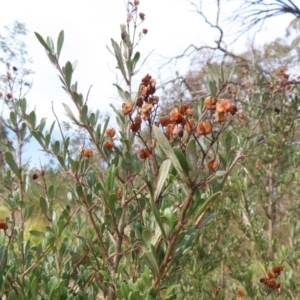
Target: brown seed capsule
{"x":144,"y":153}
{"x":8,"y":76}
{"x":135,"y":127}
{"x":144,"y":90}
{"x":142,"y":16}
{"x":35,"y":176}
{"x":145,"y":31}
{"x":233,"y":110}
{"x":189,"y":125}
{"x":3,"y":225}
{"x":146,"y":108}
{"x":42,"y":172}
{"x":1,"y":94}
{"x":210,"y":103}
{"x":175,"y":116}
{"x":139,"y":101}
{"x":88,"y":153}
{"x":212,"y":164}
{"x":127,"y":108}
{"x":136,"y":2}
{"x":183,"y":108}
{"x":8,"y":95}
{"x":204,"y":127}
{"x":153,"y":100}
{"x":110,"y":132}
{"x":164,"y":121}
{"x":223,"y":105}
{"x":108,"y":145}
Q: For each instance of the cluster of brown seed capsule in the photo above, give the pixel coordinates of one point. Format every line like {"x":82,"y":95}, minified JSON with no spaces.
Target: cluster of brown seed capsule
{"x":109,"y":143}
{"x":146,"y":103}
{"x":270,"y":279}
{"x":183,"y":118}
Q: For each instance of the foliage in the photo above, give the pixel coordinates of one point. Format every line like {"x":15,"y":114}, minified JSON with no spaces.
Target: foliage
{"x":188,"y":202}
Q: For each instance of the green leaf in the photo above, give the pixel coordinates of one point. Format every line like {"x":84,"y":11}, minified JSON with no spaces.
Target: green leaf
{"x":69,"y":113}
{"x":146,"y":235}
{"x":37,"y":233}
{"x":158,"y":219}
{"x":12,"y":164}
{"x":42,"y":41}
{"x":191,"y":157}
{"x":135,"y":60}
{"x":68,"y":73}
{"x":151,"y":262}
{"x":44,"y":206}
{"x":121,"y":92}
{"x":112,"y":200}
{"x":119,"y":58}
{"x":60,"y":41}
{"x":12,"y":295}
{"x":182,"y":160}
{"x":162,"y":175}
{"x":167,"y":149}
{"x":205,"y":205}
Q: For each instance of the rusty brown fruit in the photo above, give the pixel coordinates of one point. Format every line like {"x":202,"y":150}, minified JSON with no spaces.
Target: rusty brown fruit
{"x":127,"y":108}
{"x":175,"y":116}
{"x":189,"y":125}
{"x":212,"y":164}
{"x":142,"y":16}
{"x":3,"y":225}
{"x":88,"y":153}
{"x":8,"y":95}
{"x":223,"y":105}
{"x":145,"y":31}
{"x":108,"y":145}
{"x":204,"y":127}
{"x":35,"y":176}
{"x":164,"y":121}
{"x":110,"y":132}
{"x":144,"y":153}
{"x":139,"y":101}
{"x":210,"y":103}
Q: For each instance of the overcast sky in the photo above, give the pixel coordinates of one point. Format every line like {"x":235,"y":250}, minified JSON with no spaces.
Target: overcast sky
{"x":89,"y":25}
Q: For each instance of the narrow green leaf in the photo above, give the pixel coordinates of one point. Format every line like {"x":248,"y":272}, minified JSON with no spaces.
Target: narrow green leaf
{"x":68,"y":73}
{"x":167,"y":149}
{"x":37,"y":233}
{"x":44,"y":206}
{"x":69,"y":113}
{"x":162,"y":175}
{"x":112,"y":201}
{"x":42,"y":41}
{"x":205,"y":205}
{"x":60,"y":41}
{"x":182,"y":160}
{"x":12,"y":164}
{"x":151,"y":262}
{"x":191,"y":157}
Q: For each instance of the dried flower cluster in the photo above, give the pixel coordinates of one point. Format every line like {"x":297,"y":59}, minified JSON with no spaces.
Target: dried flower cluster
{"x":270,"y":279}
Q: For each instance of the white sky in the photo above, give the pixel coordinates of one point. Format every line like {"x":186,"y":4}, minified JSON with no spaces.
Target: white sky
{"x":89,"y":25}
